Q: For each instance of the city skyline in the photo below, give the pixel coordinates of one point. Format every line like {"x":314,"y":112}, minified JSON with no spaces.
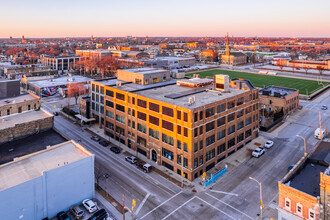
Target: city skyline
{"x":38,"y":19}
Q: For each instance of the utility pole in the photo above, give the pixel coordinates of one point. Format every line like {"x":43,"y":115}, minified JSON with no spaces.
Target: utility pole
{"x":321,"y":133}
{"x":123,"y":206}
{"x":261,"y":202}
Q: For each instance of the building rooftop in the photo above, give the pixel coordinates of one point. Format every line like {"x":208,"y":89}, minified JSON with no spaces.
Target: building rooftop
{"x":145,"y":70}
{"x":61,"y":57}
{"x":276,"y":91}
{"x":17,"y":99}
{"x":61,"y":81}
{"x":33,"y":165}
{"x":24,"y":117}
{"x":173,"y":58}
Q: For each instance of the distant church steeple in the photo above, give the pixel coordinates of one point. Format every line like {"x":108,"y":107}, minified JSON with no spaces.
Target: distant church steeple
{"x":227,"y":45}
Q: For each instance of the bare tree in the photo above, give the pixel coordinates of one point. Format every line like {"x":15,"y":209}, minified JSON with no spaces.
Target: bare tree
{"x":320,"y":69}
{"x":306,"y":68}
{"x":75,"y":90}
{"x":281,"y":63}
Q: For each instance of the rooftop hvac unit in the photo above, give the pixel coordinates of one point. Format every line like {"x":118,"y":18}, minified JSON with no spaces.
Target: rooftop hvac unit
{"x":221,"y":82}
{"x":277,"y":94}
{"x":265,"y":92}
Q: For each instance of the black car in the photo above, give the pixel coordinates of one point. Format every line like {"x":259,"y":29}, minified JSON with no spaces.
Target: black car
{"x":99,"y":215}
{"x":115,"y":150}
{"x":62,"y":216}
{"x":104,"y":143}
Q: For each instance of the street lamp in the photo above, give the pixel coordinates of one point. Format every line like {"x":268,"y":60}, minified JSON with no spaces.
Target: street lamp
{"x":261,"y":203}
{"x":305,"y":154}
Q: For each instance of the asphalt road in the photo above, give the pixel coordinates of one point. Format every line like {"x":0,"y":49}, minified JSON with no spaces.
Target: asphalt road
{"x":234,"y":196}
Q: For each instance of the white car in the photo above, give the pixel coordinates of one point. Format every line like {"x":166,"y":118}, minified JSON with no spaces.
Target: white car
{"x":258,"y":152}
{"x":131,"y":159}
{"x":89,"y":205}
{"x":269,"y":144}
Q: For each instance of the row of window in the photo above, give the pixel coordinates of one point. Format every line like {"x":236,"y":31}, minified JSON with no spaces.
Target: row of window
{"x":299,"y":209}
{"x":19,"y":109}
{"x":98,"y":89}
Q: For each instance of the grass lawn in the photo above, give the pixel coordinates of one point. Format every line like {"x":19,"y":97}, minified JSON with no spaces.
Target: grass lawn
{"x":304,"y":86}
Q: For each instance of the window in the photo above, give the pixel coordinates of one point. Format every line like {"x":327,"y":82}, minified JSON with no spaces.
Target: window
{"x":167,"y":154}
{"x":97,"y":98}
{"x":221,"y":121}
{"x":201,"y":130}
{"x":248,"y":133}
{"x":185,"y":162}
{"x":93,"y":87}
{"x":209,"y":112}
{"x":29,"y":107}
{"x":178,"y":115}
{"x":142,"y":116}
{"x":185,"y":147}
{"x":287,"y":203}
{"x":200,"y":115}
{"x":120,"y":130}
{"x":178,"y":160}
{"x":109,"y":125}
{"x":231,"y":143}
{"x":179,"y":129}
{"x":120,"y":96}
{"x":179,"y":144}
{"x":221,"y":108}
{"x":231,"y":117}
{"x":240,"y":137}
{"x":221,"y":134}
{"x":141,"y":141}
{"x":153,"y":107}
{"x":195,"y":132}
{"x":97,"y":88}
{"x":209,"y":155}
{"x":196,"y":162}
{"x":146,"y":82}
{"x":221,"y":148}
{"x":93,"y":105}
{"x":200,"y":160}
{"x":240,"y":101}
{"x":155,"y":80}
{"x":167,"y":125}
{"x":142,"y":128}
{"x":248,"y":110}
{"x":311,"y":214}
{"x":248,"y":121}
{"x":138,"y":81}
{"x":35,"y":107}
{"x":142,"y":103}
{"x":195,"y":116}
{"x":210,"y":140}
{"x":120,"y":119}
{"x":299,"y":209}
{"x":167,"y":111}
{"x":185,"y":117}
{"x":231,"y":104}
{"x":209,"y":126}
{"x":231,"y":129}
{"x":196,"y":147}
{"x":19,"y":109}
{"x":154,"y":120}
{"x":120,"y":108}
{"x":201,"y":144}
{"x":240,"y":113}
{"x":167,"y":139}
{"x":102,"y":90}
{"x":185,"y":132}
{"x":8,"y":111}
{"x":240,"y":125}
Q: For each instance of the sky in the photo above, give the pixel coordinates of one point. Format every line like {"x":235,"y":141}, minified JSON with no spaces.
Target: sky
{"x":166,"y":18}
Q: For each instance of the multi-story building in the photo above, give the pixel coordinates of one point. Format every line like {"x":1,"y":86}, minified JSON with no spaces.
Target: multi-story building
{"x":170,"y":63}
{"x":186,"y":124}
{"x":96,"y":54}
{"x":304,"y":193}
{"x":144,"y":76}
{"x":63,"y":63}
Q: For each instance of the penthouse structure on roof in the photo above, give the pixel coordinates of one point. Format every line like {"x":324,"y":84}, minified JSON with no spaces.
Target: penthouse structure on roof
{"x":191,"y":124}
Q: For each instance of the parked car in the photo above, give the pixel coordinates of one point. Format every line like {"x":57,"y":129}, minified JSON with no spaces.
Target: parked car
{"x":55,"y":113}
{"x":99,"y":215}
{"x":131,"y":159}
{"x":258,"y":152}
{"x":290,"y":167}
{"x":62,"y":216}
{"x":144,"y":166}
{"x":115,"y":150}
{"x":104,"y":143}
{"x":89,"y":205}
{"x":77,"y":212}
{"x":269,"y":144}
{"x":95,"y":138}
{"x":324,"y":107}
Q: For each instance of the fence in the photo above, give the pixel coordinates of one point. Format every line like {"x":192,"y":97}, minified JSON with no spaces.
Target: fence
{"x":215,"y":177}
{"x":262,"y":128}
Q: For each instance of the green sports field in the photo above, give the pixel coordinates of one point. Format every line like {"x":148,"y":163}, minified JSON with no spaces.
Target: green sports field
{"x":261,"y":81}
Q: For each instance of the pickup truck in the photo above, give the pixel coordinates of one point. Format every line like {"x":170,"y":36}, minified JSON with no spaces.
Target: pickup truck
{"x":144,"y":166}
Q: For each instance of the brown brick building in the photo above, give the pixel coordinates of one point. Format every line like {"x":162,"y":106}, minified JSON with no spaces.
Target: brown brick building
{"x":19,"y":104}
{"x":187,"y":123}
{"x":304,"y":193}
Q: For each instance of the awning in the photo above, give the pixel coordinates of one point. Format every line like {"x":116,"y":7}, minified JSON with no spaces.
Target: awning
{"x":84,"y":119}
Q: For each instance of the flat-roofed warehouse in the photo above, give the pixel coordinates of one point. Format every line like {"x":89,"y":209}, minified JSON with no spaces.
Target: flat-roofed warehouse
{"x":44,"y":183}
{"x":193,"y":123}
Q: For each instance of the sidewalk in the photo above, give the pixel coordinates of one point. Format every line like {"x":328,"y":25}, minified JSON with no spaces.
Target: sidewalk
{"x":108,"y":206}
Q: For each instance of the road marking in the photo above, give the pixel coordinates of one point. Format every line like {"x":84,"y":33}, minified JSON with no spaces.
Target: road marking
{"x":179,"y":207}
{"x":227,"y":193}
{"x":230,"y":206}
{"x":142,"y":203}
{"x":216,"y":208}
{"x":161,"y":204}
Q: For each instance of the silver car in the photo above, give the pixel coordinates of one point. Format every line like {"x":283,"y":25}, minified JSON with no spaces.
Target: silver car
{"x":77,"y":212}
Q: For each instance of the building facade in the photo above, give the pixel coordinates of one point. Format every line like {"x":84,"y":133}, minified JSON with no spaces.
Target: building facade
{"x":188,"y":125}
{"x":62,"y":63}
{"x":19,"y":104}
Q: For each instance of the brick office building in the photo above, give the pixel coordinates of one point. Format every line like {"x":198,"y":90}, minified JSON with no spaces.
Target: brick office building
{"x":189,"y":118}
{"x":304,"y":193}
{"x":19,"y":104}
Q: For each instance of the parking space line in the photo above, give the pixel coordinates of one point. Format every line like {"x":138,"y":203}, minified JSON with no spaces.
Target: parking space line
{"x":229,"y":206}
{"x":216,"y":208}
{"x":178,"y":208}
{"x":161,"y":204}
{"x":142,"y":203}
{"x":222,"y":192}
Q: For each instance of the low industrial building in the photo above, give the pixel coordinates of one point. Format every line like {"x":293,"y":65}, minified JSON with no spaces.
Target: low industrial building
{"x":304,"y":193}
{"x":60,"y":63}
{"x":19,"y":104}
{"x":170,"y":62}
{"x":41,"y":184}
{"x":144,"y":76}
{"x":187,"y":125}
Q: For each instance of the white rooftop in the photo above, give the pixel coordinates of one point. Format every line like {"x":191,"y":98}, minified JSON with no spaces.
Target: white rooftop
{"x":145,"y":70}
{"x":31,"y":166}
{"x":17,"y":99}
{"x":61,"y":81}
